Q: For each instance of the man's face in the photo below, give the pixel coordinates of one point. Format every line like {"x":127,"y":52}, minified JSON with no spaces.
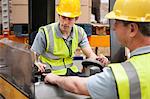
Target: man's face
{"x":66,"y":23}
{"x":121,"y":32}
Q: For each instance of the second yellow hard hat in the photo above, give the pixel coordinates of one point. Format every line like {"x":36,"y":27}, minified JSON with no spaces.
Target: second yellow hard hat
{"x":131,"y":10}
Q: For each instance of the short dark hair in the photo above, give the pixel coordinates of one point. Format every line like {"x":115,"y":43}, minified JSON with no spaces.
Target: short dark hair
{"x":144,"y":27}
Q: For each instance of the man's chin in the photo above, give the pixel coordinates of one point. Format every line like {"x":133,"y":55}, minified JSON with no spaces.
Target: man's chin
{"x":66,"y":29}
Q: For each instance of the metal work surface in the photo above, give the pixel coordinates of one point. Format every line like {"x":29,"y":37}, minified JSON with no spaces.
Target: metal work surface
{"x":16,"y":72}
{"x":16,"y":64}
{"x":47,"y":91}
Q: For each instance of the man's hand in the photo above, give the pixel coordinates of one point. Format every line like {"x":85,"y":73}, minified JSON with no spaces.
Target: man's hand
{"x":102,"y":59}
{"x":50,"y":78}
{"x":41,"y":66}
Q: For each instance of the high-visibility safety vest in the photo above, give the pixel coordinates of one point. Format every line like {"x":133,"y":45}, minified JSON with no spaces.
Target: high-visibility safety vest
{"x":133,"y":77}
{"x":63,"y":55}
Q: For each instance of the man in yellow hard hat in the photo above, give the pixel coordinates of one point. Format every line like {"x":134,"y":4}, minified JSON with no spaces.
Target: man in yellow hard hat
{"x":55,"y":44}
{"x":126,"y":80}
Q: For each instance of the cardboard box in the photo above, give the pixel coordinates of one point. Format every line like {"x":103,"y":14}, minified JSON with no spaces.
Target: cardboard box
{"x":20,"y":14}
{"x":86,"y":2}
{"x":19,"y":1}
{"x":82,"y":2}
{"x":103,"y":50}
{"x":85,"y":15}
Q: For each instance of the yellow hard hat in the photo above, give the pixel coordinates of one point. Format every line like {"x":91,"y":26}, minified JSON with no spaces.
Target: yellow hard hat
{"x":131,"y":10}
{"x":69,"y":8}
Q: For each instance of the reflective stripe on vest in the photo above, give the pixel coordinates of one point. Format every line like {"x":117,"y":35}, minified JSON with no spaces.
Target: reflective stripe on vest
{"x":132,"y":77}
{"x":135,"y":91}
{"x":121,"y":81}
{"x":58,"y":64}
{"x":127,"y":81}
{"x":47,"y":36}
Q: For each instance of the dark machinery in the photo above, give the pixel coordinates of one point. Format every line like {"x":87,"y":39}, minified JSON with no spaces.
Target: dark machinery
{"x":18,"y":81}
{"x":15,"y":70}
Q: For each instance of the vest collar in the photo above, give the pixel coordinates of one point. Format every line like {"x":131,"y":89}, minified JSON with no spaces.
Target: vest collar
{"x":59,"y":34}
{"x":141,"y":50}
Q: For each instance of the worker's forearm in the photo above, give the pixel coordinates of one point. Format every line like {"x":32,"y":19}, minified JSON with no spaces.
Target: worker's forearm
{"x":91,"y":54}
{"x":73,"y":84}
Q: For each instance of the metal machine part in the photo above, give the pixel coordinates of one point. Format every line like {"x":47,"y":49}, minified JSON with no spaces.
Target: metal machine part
{"x":55,"y":92}
{"x":15,"y":67}
{"x":92,"y":67}
{"x":47,"y":91}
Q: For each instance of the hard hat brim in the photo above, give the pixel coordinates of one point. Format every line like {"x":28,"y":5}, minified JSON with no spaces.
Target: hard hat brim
{"x":67,"y":14}
{"x":112,"y":15}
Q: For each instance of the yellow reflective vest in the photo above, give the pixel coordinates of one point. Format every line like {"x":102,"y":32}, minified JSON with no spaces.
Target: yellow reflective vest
{"x":133,"y":77}
{"x":61,"y":50}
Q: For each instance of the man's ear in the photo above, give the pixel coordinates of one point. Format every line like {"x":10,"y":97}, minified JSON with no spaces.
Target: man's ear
{"x":76,"y":18}
{"x":58,"y":16}
{"x":133,"y":29}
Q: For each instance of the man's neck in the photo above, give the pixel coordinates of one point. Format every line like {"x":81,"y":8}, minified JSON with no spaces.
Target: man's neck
{"x":66,"y":32}
{"x":65,"y":35}
{"x":139,"y":43}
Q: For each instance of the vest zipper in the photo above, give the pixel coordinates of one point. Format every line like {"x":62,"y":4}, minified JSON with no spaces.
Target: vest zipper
{"x":64,"y":62}
{"x":70,"y":50}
